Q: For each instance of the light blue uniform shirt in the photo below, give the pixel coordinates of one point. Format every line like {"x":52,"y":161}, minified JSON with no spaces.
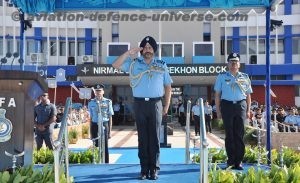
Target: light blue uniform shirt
{"x":291,"y":119}
{"x":298,"y":120}
{"x":106,"y":109}
{"x":196,"y":110}
{"x":227,"y":85}
{"x":150,"y":84}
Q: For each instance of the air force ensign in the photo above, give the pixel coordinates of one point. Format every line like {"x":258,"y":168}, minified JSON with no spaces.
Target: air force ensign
{"x":5,"y":126}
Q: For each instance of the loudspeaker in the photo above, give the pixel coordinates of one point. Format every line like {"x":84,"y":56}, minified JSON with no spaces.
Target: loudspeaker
{"x":71,"y":61}
{"x":253,"y":59}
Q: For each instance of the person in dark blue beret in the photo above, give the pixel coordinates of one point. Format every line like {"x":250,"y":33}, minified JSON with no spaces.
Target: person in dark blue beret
{"x":105,"y":106}
{"x":150,"y":81}
{"x":233,"y":102}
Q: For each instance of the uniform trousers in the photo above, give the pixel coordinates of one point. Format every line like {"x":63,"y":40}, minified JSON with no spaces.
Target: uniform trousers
{"x":197,"y":124}
{"x":94,"y":133}
{"x":234,"y":116}
{"x":148,"y":116}
{"x":41,"y":136}
{"x":208,"y":122}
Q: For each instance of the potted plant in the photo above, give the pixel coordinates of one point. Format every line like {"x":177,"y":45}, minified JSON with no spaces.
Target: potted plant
{"x":73,"y":136}
{"x":85,"y":131}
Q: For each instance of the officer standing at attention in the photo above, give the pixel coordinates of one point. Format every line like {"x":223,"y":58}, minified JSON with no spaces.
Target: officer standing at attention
{"x":106,"y":113}
{"x":150,"y":81}
{"x":44,"y":118}
{"x":233,"y":101}
{"x":196,"y":117}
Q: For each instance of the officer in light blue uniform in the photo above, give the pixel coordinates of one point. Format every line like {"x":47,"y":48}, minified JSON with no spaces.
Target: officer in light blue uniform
{"x":233,"y":100}
{"x":150,"y":81}
{"x":106,"y":114}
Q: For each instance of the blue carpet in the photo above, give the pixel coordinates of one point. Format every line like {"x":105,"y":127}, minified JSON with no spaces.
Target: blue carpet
{"x":128,"y":173}
{"x":130,"y":155}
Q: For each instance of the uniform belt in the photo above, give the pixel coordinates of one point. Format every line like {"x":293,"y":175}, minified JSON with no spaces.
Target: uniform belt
{"x":233,"y":102}
{"x":147,"y":99}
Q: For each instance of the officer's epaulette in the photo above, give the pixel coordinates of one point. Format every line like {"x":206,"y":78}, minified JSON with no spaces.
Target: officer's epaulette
{"x":161,"y":62}
{"x":244,"y":74}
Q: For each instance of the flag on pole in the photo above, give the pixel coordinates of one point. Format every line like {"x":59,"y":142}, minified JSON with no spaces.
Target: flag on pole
{"x":85,"y":93}
{"x":271,"y":92}
{"x":74,"y":87}
{"x":52,"y":83}
{"x":60,"y":75}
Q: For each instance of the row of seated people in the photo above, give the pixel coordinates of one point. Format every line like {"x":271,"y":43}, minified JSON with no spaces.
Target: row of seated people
{"x":282,"y":121}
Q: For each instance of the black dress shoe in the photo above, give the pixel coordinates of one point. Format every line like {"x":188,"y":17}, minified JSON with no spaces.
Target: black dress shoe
{"x":238,"y":167}
{"x":143,"y":176}
{"x":153,"y":174}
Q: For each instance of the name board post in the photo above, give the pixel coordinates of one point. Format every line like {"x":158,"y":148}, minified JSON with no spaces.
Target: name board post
{"x":18,"y":93}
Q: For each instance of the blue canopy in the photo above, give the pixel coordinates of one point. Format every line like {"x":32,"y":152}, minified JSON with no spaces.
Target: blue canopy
{"x":47,"y":6}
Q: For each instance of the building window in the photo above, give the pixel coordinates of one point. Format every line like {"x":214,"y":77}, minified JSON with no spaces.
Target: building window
{"x":71,"y":49}
{"x":170,"y":49}
{"x":30,"y":47}
{"x":243,"y":46}
{"x":280,"y":46}
{"x":117,"y":49}
{"x":1,"y":46}
{"x":296,"y":45}
{"x":297,"y":91}
{"x":206,"y":37}
{"x":115,"y":28}
{"x":94,"y":48}
{"x":261,"y":46}
{"x":229,"y":46}
{"x":296,"y":2}
{"x":9,"y":46}
{"x":167,"y":50}
{"x":44,"y":47}
{"x":62,"y":48}
{"x":203,"y":49}
{"x":80,"y":48}
{"x":251,"y":44}
{"x":53,"y":50}
{"x":178,"y":52}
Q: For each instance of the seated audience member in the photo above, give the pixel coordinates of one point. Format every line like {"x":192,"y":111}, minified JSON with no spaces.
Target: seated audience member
{"x":291,"y":119}
{"x":280,"y":118}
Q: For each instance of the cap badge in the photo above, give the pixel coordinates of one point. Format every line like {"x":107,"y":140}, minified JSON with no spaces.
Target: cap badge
{"x":147,"y":38}
{"x":234,"y":55}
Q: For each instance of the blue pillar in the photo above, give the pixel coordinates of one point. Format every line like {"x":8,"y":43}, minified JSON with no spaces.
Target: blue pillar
{"x":88,"y":41}
{"x":236,"y":39}
{"x":288,"y":43}
{"x":38,"y":39}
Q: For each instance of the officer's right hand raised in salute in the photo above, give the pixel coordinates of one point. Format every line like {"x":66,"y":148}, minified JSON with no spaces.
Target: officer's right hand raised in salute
{"x":132,"y":53}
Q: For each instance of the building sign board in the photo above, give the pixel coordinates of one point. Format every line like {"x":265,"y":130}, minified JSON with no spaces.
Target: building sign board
{"x":174,"y":69}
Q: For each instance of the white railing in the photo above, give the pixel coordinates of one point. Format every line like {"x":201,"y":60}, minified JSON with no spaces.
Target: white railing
{"x":61,"y":152}
{"x":203,"y":142}
{"x":187,"y":133}
{"x":203,"y":178}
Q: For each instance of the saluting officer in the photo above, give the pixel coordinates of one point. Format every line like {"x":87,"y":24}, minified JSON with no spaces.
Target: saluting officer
{"x":233,"y":101}
{"x":106,"y":113}
{"x":150,"y":81}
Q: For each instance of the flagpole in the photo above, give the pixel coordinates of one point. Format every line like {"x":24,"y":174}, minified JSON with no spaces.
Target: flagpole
{"x":54,"y":102}
{"x":71,"y":93}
